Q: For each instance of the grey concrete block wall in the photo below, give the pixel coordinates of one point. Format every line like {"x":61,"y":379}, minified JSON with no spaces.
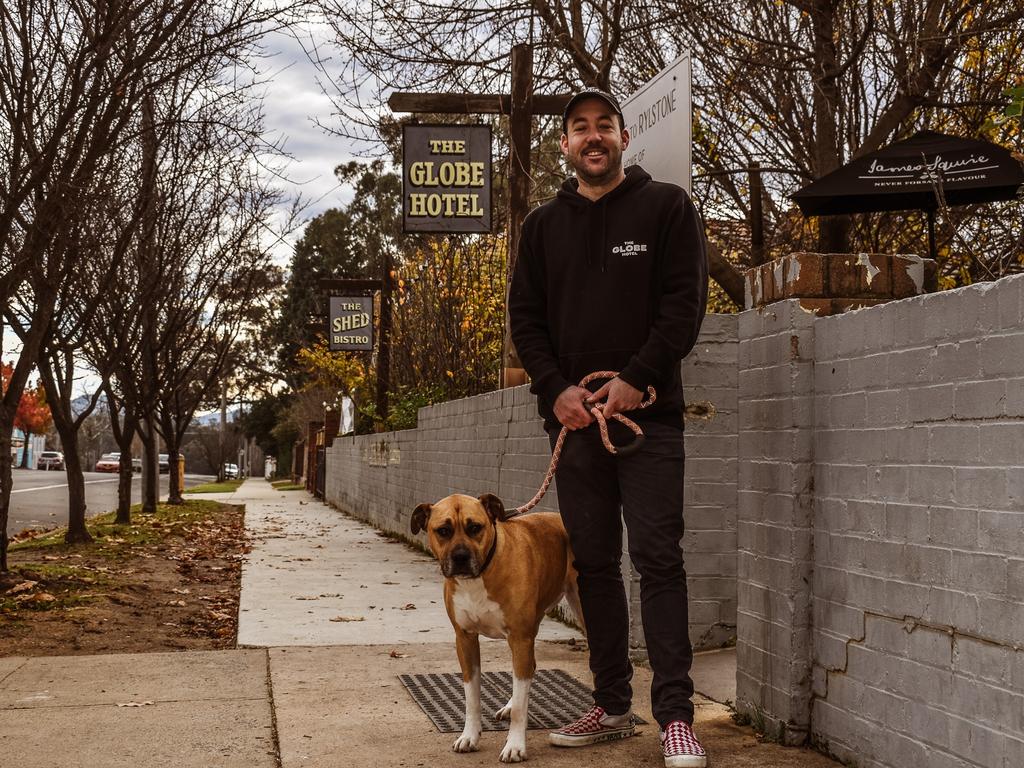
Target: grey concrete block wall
{"x":495,"y":443}
{"x":775,"y":516}
{"x":881,"y":483}
{"x":919,"y":548}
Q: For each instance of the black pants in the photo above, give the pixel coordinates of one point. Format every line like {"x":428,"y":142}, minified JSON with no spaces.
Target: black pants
{"x":648,"y":487}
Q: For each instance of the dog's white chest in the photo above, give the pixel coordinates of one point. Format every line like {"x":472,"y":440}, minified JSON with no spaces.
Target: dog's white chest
{"x":475,"y":611}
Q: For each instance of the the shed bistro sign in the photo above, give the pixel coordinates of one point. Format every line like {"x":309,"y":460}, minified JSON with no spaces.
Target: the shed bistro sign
{"x":350,"y":323}
{"x":446,"y":179}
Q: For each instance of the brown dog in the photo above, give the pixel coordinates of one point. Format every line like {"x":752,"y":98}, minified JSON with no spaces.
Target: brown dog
{"x":501,"y":577}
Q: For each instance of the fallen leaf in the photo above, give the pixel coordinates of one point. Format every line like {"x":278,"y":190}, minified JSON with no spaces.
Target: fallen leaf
{"x":178,"y":603}
{"x":397,"y":655}
{"x":135,"y":704}
{"x":408,"y":607}
{"x":22,"y":587}
{"x":348,"y":618}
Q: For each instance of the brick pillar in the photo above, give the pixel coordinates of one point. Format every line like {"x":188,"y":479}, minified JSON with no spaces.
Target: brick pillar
{"x":829,"y":283}
{"x":775,"y":496}
{"x":775,"y":518}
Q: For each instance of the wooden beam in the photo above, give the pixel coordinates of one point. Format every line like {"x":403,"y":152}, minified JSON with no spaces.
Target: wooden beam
{"x":343,"y":284}
{"x":473,"y":103}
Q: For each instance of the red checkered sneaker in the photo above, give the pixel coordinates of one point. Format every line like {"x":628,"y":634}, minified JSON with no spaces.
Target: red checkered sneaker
{"x":595,"y":726}
{"x":681,"y":747}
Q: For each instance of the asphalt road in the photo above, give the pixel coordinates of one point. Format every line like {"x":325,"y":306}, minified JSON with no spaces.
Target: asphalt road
{"x":40,"y":498}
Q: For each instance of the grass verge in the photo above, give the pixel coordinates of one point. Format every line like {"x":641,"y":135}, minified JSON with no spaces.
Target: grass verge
{"x":228,"y":486}
{"x":169,"y":580}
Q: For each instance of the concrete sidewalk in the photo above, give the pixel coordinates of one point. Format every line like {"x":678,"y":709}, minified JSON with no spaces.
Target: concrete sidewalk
{"x":316,"y":692}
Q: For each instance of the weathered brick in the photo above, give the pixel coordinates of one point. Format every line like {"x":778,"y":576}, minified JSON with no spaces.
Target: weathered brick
{"x":931,"y":403}
{"x":980,"y":399}
{"x":953,"y":526}
{"x":930,"y":646}
{"x":1002,"y":355}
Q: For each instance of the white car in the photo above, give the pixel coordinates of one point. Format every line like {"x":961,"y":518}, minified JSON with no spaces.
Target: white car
{"x":50,"y":460}
{"x":230,"y":471}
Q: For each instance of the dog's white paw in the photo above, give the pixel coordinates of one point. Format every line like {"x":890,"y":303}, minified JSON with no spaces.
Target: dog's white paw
{"x":467,"y":742}
{"x":504,"y":713}
{"x":514,"y":752}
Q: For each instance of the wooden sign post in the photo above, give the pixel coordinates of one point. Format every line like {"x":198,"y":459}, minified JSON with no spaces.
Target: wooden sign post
{"x":384,"y":342}
{"x":521,"y":105}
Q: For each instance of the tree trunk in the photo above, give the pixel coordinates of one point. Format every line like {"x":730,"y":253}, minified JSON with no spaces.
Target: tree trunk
{"x":723,"y":272}
{"x":24,"y":451}
{"x":8,"y":411}
{"x":833,"y":231}
{"x":150,"y":467}
{"x":124,"y":478}
{"x":77,"y":532}
{"x":223,"y":427}
{"x":5,"y":491}
{"x":124,"y":487}
{"x":67,"y":427}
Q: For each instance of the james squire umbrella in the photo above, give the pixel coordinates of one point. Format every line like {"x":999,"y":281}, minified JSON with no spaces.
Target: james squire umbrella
{"x":910,"y":175}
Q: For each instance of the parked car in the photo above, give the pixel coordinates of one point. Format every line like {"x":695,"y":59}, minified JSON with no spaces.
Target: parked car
{"x":165,"y":465}
{"x":136,"y":463}
{"x":109,"y":462}
{"x":50,"y":460}
{"x":230,"y":471}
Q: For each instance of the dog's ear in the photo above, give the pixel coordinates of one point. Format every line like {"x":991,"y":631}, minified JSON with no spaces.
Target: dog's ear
{"x":492,"y":504}
{"x":420,"y":515}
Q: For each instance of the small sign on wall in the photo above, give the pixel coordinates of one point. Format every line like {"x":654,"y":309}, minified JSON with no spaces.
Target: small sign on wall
{"x":350,"y":324}
{"x":446,"y":178}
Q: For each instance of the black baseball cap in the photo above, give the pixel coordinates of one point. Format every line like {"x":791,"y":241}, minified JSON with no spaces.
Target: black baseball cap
{"x":592,"y":93}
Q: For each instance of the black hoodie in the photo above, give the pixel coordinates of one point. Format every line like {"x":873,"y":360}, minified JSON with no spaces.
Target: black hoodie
{"x":617,"y":284}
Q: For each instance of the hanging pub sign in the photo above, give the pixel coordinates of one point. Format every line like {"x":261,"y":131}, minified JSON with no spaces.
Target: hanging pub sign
{"x":446,"y":178}
{"x":350,"y":324}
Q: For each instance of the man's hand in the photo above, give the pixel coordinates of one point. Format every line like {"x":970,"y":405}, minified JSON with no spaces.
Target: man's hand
{"x":621,"y":397}
{"x":569,"y":408}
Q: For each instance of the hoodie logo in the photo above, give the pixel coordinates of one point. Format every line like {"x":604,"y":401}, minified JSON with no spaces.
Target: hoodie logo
{"x":630,"y":247}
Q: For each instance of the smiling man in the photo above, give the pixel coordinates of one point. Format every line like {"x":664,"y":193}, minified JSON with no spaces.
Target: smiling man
{"x":612,"y":275}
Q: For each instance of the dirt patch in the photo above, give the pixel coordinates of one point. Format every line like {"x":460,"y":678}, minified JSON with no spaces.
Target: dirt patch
{"x":168,"y":581}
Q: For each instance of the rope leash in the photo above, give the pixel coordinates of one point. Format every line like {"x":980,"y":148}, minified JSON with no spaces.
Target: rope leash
{"x":597,"y":410}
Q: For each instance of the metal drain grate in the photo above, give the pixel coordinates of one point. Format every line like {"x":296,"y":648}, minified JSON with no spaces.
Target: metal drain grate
{"x":556,"y":698}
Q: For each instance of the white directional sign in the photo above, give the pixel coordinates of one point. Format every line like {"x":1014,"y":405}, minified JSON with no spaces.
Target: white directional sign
{"x":658,"y":118}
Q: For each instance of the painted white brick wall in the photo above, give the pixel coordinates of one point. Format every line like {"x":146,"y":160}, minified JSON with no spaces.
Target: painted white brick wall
{"x":495,"y":443}
{"x":910,"y":416}
{"x":919,"y":547}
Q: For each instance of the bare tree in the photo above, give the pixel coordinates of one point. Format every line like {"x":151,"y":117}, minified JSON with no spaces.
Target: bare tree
{"x":73,"y":79}
{"x":799,"y":86}
{"x":804,"y":86}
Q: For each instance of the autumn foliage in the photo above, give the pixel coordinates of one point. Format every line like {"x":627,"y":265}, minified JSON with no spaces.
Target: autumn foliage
{"x":33,"y":415}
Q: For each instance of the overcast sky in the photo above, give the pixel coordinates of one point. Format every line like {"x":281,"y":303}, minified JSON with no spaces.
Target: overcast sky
{"x":294,"y":102}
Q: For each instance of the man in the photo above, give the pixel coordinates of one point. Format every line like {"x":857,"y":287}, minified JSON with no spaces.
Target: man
{"x":612,"y":275}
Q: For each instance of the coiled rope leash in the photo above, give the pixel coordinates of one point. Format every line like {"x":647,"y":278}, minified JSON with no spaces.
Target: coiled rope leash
{"x":597,"y":410}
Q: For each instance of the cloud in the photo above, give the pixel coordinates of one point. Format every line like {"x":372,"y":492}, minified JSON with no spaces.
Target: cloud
{"x":295,"y":108}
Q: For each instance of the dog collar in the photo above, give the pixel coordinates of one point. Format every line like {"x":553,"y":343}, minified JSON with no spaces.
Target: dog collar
{"x":490,"y":554}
